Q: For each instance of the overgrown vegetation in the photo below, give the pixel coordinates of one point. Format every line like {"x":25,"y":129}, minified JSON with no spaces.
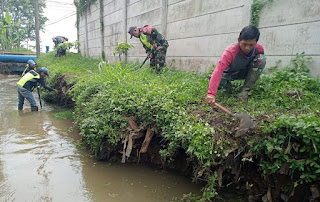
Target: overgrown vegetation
{"x":65,"y":114}
{"x":285,"y":140}
{"x":83,"y":5}
{"x":294,"y":142}
{"x":256,"y":8}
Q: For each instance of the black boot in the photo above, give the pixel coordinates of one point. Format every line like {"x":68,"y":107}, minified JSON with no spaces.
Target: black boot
{"x":252,"y":77}
{"x":34,"y":109}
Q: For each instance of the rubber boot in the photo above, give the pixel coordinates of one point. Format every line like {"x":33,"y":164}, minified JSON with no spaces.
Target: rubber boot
{"x":20,"y":108}
{"x":34,"y":109}
{"x":228,"y":88}
{"x":252,"y":77}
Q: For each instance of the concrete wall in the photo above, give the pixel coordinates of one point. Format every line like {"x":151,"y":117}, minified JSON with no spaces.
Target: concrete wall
{"x":140,"y":13}
{"x":199,"y":30}
{"x":290,"y":27}
{"x":113,"y":19}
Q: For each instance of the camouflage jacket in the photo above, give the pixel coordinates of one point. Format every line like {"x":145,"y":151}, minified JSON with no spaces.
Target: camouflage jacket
{"x":154,"y":37}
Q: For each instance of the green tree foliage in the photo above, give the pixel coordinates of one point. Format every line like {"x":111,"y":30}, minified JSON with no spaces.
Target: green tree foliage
{"x":22,"y":22}
{"x":4,"y":25}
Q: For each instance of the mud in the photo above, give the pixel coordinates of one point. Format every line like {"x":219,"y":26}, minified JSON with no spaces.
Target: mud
{"x":6,"y":68}
{"x":63,"y":98}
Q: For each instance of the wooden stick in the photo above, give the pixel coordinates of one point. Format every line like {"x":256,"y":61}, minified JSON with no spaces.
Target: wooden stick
{"x":223,"y":109}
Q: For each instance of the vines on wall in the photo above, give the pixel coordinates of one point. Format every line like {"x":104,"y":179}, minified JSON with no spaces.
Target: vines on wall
{"x":103,"y":55}
{"x":83,"y":5}
{"x":256,"y":8}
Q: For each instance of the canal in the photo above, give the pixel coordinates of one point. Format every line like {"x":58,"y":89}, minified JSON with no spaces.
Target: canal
{"x":40,"y":161}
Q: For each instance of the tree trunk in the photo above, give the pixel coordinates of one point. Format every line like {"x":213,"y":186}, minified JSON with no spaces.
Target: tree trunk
{"x":36,"y":14}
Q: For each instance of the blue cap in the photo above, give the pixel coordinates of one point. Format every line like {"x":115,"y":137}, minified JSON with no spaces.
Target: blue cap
{"x":31,"y":62}
{"x":131,"y":31}
{"x":44,"y":70}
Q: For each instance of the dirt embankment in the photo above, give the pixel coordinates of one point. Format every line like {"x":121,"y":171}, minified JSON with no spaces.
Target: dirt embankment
{"x":63,"y":98}
{"x":237,"y":173}
{"x":4,"y":68}
{"x":11,"y":68}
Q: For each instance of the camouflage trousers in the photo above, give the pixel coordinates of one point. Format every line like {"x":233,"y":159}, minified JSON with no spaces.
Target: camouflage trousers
{"x":158,"y":59}
{"x":60,"y":52}
{"x":257,"y":64}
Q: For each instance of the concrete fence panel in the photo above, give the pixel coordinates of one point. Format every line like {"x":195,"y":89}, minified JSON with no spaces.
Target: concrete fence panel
{"x":198,"y":31}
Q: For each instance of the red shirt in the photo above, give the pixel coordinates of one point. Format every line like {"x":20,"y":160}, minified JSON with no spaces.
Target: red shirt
{"x":234,"y":60}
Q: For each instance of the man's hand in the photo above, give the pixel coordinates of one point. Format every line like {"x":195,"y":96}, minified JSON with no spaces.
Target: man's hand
{"x":56,"y":91}
{"x":210,"y":99}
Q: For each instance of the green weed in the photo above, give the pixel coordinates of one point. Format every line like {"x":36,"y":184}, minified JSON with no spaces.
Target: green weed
{"x":66,"y":114}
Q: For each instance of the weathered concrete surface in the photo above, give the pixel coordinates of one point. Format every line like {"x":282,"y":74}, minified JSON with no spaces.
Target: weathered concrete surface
{"x":82,"y":35}
{"x":290,"y":27}
{"x":94,"y":36}
{"x":187,"y":9}
{"x":113,"y":23}
{"x":198,"y":31}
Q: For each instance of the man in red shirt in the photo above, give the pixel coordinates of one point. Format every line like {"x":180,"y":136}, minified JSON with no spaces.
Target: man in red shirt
{"x":244,"y":60}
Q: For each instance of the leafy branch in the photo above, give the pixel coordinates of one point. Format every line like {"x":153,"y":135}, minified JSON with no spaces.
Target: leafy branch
{"x":122,"y":49}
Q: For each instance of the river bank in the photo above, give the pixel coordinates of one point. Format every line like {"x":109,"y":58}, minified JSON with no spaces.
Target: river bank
{"x":117,"y":107}
{"x":41,"y":160}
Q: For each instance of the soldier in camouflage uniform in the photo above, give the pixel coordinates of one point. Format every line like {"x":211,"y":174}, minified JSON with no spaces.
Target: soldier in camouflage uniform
{"x":58,"y":44}
{"x":58,"y":40}
{"x":153,"y":41}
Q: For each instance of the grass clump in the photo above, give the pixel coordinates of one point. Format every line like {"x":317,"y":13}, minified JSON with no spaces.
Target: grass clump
{"x":65,"y":114}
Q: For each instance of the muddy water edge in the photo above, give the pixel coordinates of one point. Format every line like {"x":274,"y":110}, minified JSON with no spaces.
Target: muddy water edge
{"x":40,"y":161}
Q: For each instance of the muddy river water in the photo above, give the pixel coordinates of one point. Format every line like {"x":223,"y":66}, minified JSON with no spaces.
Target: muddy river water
{"x":40,"y":161}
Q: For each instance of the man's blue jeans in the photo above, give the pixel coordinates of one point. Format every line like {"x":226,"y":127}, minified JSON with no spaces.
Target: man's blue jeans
{"x":25,"y":94}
